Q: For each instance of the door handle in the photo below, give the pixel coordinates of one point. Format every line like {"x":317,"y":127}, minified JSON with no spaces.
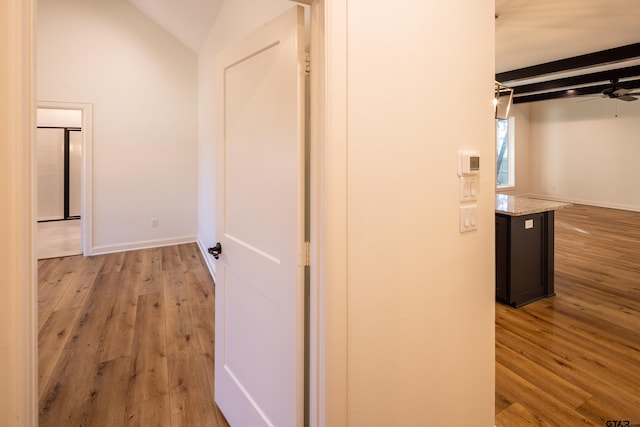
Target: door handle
{"x":216,"y":250}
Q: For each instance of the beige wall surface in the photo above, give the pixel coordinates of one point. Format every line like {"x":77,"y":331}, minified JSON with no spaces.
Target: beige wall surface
{"x":421,"y":294}
{"x":18,"y":345}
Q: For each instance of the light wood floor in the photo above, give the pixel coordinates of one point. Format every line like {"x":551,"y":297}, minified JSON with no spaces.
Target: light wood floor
{"x":574,"y":359}
{"x":58,"y":238}
{"x":127,"y":339}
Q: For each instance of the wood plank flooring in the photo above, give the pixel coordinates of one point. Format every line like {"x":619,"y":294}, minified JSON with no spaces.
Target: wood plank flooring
{"x":127,"y":339}
{"x":574,"y":359}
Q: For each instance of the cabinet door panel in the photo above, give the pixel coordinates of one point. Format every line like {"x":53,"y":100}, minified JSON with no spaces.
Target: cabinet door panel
{"x":527,"y":237}
{"x":502,"y":260}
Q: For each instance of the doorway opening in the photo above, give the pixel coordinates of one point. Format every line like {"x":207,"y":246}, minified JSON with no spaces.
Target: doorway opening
{"x":62,"y":174}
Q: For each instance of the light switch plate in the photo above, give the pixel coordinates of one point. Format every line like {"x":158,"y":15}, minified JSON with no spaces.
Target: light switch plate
{"x":468,"y":218}
{"x":468,"y":188}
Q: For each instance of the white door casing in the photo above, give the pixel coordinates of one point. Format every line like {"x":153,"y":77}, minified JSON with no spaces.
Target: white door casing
{"x":260,"y":223}
{"x":86,"y":181}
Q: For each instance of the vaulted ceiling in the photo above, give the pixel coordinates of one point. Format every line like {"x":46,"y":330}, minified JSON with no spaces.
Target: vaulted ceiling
{"x":187,"y":20}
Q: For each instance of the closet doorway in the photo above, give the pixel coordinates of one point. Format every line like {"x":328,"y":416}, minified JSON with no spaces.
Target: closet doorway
{"x":60,"y":175}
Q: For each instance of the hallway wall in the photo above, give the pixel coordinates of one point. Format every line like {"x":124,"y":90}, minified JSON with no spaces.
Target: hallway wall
{"x":421,"y":295}
{"x":18,"y":313}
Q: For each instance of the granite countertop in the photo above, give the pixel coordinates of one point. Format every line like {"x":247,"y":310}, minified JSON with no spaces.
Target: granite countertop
{"x":519,"y":205}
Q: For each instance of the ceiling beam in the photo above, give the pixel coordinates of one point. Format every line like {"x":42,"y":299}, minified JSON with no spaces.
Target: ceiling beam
{"x":608,"y":56}
{"x":608,"y":75}
{"x":571,"y":93}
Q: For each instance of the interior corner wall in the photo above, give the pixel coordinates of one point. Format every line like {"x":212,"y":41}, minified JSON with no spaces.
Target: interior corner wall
{"x":586,"y":152}
{"x":142,"y":83}
{"x":235,"y":20}
{"x":420,"y":293}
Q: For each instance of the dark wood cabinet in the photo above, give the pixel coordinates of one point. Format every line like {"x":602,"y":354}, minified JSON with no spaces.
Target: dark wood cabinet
{"x":524,"y":257}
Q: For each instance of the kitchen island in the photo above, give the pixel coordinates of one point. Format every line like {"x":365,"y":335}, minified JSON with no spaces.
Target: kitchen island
{"x":524,"y":248}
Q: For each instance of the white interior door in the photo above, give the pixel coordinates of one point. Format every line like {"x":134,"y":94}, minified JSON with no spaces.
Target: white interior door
{"x":260,"y":224}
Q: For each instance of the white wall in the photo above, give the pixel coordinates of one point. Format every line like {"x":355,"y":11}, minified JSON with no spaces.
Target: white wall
{"x":420,"y":294}
{"x":143,"y":86}
{"x":581,"y":152}
{"x":521,"y":113}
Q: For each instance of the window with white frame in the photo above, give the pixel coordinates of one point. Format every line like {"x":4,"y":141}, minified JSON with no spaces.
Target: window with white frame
{"x":505,"y":158}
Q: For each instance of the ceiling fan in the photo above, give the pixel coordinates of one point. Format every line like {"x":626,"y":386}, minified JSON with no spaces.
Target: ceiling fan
{"x":614,"y":92}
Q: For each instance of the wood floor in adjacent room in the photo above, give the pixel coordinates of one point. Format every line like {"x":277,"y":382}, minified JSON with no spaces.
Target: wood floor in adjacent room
{"x":58,"y":238}
{"x":574,"y":359}
{"x":127,"y":339}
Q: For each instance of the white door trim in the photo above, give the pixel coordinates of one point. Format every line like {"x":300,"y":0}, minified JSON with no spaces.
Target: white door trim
{"x":315,"y":356}
{"x":329,"y":220}
{"x":86,"y":221}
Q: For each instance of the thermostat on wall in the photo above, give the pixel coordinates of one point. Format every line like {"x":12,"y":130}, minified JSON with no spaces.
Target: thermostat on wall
{"x":468,"y":162}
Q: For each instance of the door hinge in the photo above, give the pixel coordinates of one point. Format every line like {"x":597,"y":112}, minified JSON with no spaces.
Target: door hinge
{"x":307,"y":254}
{"x":307,"y":63}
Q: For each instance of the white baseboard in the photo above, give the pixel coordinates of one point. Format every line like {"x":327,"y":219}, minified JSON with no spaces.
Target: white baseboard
{"x":586,"y":202}
{"x":108,"y":249}
{"x":207,"y":259}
